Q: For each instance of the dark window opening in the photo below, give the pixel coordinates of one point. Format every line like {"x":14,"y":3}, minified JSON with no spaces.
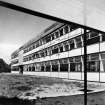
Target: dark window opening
{"x":93,"y":40}
{"x":63,"y":67}
{"x":48,"y":67}
{"x":66,"y":29}
{"x":78,"y":41}
{"x":73,"y":27}
{"x":55,"y":50}
{"x":56,"y":34}
{"x":61,"y":32}
{"x":42,"y":68}
{"x":33,"y":68}
{"x":48,"y":38}
{"x":103,"y":37}
{"x":55,"y":68}
{"x":72,"y":46}
{"x":93,"y":66}
{"x":72,"y":67}
{"x":93,"y":34}
{"x":52,"y":36}
{"x":61,"y":48}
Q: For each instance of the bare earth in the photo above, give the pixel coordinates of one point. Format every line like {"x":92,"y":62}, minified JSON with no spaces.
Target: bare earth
{"x":48,"y":91}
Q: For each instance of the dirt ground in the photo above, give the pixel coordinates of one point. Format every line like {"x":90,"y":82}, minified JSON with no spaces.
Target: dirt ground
{"x":34,"y":90}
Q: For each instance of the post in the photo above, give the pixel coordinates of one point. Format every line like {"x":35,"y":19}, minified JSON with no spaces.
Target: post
{"x":85,"y":67}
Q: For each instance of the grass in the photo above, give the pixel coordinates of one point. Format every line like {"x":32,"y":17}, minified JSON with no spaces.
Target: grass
{"x":12,"y":88}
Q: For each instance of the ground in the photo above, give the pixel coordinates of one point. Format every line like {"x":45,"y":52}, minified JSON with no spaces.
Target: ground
{"x":34,"y":90}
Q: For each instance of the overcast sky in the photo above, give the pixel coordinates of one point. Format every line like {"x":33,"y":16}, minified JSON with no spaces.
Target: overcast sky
{"x":17,"y":28}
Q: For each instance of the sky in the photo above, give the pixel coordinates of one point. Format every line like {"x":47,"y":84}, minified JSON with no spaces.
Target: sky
{"x":86,"y":12}
{"x":16,"y":28}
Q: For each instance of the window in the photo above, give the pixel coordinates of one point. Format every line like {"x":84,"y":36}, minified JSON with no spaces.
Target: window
{"x":37,"y":55}
{"x":52,"y":36}
{"x":33,"y":56}
{"x":37,"y":44}
{"x":42,"y":53}
{"x":30,"y":57}
{"x":45,"y":51}
{"x":66,"y":46}
{"x":61,"y":31}
{"x":93,"y":63}
{"x":93,"y":38}
{"x":66,"y":29}
{"x":61,"y":47}
{"x":93,"y":34}
{"x":72,"y":45}
{"x":78,"y":41}
{"x":33,"y":46}
{"x":54,"y":65}
{"x":73,"y":27}
{"x":54,"y":49}
{"x":94,"y":57}
{"x":103,"y":56}
{"x":48,"y":38}
{"x":42,"y":66}
{"x":103,"y":37}
{"x":56,"y":34}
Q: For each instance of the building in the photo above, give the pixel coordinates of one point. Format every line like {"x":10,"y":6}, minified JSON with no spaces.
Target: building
{"x":58,"y":52}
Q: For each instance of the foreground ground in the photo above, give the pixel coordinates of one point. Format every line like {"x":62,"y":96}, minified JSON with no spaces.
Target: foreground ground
{"x":33,"y":90}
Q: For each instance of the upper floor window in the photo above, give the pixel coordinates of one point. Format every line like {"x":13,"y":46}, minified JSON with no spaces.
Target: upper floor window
{"x":61,"y":47}
{"x":66,"y":29}
{"x":103,"y":37}
{"x":78,"y":41}
{"x":55,"y":49}
{"x":48,"y":38}
{"x":61,"y":31}
{"x":72,"y":44}
{"x":73,"y":27}
{"x":52,"y":36}
{"x":57,"y":34}
{"x":66,"y":46}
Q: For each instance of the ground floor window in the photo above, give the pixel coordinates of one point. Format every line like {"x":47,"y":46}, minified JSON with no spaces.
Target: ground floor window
{"x":48,"y":67}
{"x":103,"y":63}
{"x":42,"y":68}
{"x":93,"y":66}
{"x":55,"y":68}
{"x":63,"y":67}
{"x":33,"y":68}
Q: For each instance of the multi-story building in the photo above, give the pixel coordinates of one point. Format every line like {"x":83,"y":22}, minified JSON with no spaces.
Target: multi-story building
{"x":58,"y":52}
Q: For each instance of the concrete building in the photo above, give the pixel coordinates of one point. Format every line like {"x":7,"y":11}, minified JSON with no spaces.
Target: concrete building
{"x":58,"y":52}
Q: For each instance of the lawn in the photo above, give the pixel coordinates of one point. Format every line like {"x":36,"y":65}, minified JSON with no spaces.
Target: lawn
{"x":25,"y":89}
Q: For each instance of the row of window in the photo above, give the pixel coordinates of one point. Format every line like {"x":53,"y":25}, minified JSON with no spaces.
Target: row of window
{"x":14,"y":56}
{"x":68,"y":45}
{"x":14,"y":62}
{"x":70,"y":64}
{"x":57,"y":33}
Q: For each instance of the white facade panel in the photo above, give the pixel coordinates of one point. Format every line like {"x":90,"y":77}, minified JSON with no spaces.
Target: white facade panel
{"x":75,"y":75}
{"x":102,"y":46}
{"x":63,"y":55}
{"x":93,"y":48}
{"x":64,"y":75}
{"x":102,"y":76}
{"x":75,"y":52}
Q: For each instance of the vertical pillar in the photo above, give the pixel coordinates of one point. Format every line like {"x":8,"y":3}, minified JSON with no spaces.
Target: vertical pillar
{"x":85,"y":67}
{"x":44,"y":67}
{"x":58,"y":68}
{"x":50,"y":68}
{"x":68,"y":69}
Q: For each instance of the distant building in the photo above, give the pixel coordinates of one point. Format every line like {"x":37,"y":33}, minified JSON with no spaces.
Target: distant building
{"x":58,"y":52}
